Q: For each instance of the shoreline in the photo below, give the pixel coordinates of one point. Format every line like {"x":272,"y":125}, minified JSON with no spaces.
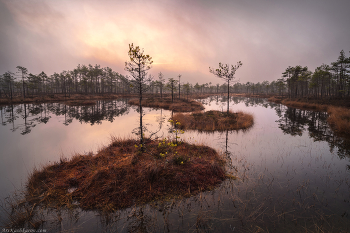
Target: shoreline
{"x":61,"y":97}
{"x":337,"y":102}
{"x":117,"y":177}
{"x":178,"y":105}
{"x":339,"y":116}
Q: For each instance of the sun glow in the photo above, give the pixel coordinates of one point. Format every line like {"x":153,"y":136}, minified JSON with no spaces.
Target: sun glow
{"x":109,"y":42}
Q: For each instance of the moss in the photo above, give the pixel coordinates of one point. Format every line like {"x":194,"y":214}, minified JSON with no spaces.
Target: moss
{"x":119,"y":176}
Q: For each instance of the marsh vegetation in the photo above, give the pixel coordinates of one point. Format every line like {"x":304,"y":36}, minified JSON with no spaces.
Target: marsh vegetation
{"x":177,"y":105}
{"x":119,"y":177}
{"x":291,"y":169}
{"x":150,"y":170}
{"x":339,"y":117}
{"x":214,"y":120}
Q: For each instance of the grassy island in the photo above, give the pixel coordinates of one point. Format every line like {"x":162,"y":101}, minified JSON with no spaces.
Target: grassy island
{"x":214,"y":121}
{"x":178,"y":105}
{"x":120,"y":176}
{"x":80,"y":102}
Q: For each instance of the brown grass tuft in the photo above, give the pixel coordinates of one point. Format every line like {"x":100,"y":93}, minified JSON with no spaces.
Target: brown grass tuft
{"x":214,"y":121}
{"x":179,"y":105}
{"x":275,"y":99}
{"x":119,"y":176}
{"x":339,"y":119}
{"x":80,"y":102}
{"x":305,"y":105}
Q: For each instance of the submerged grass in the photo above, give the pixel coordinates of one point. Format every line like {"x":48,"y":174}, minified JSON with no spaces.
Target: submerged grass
{"x":119,"y":176}
{"x":179,"y":105}
{"x":214,"y":121}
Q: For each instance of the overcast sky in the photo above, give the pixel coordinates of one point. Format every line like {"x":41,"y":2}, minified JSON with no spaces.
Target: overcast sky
{"x":182,"y":36}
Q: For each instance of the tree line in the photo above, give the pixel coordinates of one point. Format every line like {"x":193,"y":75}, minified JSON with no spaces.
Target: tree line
{"x":83,"y":80}
{"x":86,"y":79}
{"x":89,"y":79}
{"x":296,"y":82}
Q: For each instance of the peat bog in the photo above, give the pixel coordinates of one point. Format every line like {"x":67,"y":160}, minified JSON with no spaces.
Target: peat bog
{"x":291,"y":173}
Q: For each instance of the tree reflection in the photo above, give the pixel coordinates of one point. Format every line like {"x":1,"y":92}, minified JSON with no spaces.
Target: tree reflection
{"x":33,"y":114}
{"x":297,"y":121}
{"x":249,"y":102}
{"x":292,"y":121}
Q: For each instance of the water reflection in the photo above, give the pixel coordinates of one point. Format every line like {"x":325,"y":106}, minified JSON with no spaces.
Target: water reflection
{"x":294,"y":121}
{"x":221,"y":101}
{"x":25,"y":117}
{"x":293,"y":173}
{"x":297,"y":121}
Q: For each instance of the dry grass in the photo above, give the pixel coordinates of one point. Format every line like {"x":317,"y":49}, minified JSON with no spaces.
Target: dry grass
{"x":339,"y":120}
{"x":251,"y":95}
{"x":304,"y":105}
{"x":60,"y":97}
{"x":299,"y":104}
{"x":80,"y":102}
{"x":179,"y":105}
{"x":214,"y":121}
{"x":21,"y":214}
{"x":339,"y":117}
{"x":120,"y":176}
{"x":275,"y":99}
{"x":200,"y":96}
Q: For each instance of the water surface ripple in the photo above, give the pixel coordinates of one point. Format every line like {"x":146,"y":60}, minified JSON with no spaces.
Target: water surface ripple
{"x":293,"y":172}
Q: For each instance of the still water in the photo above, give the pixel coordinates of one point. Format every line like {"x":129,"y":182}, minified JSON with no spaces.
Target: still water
{"x":293,"y":172}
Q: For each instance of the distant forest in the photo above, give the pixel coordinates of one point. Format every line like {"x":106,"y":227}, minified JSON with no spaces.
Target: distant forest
{"x":296,"y":82}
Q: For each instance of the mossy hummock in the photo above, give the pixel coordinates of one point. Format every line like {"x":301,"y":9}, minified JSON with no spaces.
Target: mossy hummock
{"x":120,"y":175}
{"x":214,"y":121}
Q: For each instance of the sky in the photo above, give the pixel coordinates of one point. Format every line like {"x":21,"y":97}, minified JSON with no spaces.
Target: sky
{"x":182,"y":36}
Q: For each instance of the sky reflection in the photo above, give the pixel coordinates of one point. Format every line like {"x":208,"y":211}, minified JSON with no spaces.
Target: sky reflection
{"x":280,"y":169}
